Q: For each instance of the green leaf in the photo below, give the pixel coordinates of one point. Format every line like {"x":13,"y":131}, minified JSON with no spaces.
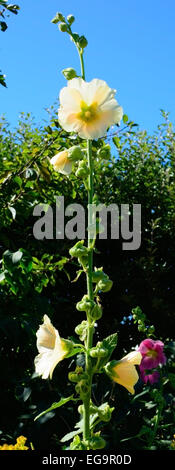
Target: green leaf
{"x":2,"y":276}
{"x":54,"y":406}
{"x":116,"y":141}
{"x":70,"y":435}
{"x":110,"y":342}
{"x":3,"y":25}
{"x":16,"y":257}
{"x":2,"y":80}
{"x":18,"y":180}
{"x":125,"y":118}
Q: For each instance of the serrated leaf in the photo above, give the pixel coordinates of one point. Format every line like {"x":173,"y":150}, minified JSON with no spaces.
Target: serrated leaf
{"x":110,"y":342}
{"x":54,"y":406}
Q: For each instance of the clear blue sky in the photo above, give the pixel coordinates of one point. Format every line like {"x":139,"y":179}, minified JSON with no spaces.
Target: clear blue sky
{"x":131,"y":46}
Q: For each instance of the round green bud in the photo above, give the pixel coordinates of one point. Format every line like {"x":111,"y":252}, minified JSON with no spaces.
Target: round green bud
{"x":78,"y":249}
{"x":96,"y":312}
{"x":70,"y":19}
{"x":69,"y":73}
{"x":81,"y":409}
{"x":77,"y":375}
{"x":97,"y":442}
{"x":75,"y":153}
{"x":82,"y":42}
{"x":98,"y":275}
{"x":82,"y":170}
{"x":104,"y":152}
{"x":85,"y":305}
{"x":98,"y":352}
{"x":58,"y":17}
{"x":63,"y":27}
{"x":104,"y":285}
{"x":81,"y":328}
{"x":75,"y":37}
{"x":105,"y":412}
{"x":82,"y":388}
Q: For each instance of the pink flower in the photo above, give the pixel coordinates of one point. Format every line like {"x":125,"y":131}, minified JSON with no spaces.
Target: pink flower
{"x":146,"y":377}
{"x":152,"y":353}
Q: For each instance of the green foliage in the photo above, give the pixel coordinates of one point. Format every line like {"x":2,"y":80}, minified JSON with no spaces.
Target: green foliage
{"x":6,"y":9}
{"x":32,"y":273}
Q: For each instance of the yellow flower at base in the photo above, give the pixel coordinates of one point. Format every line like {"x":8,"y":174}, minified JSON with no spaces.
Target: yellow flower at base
{"x":61,"y":163}
{"x":20,"y":444}
{"x":52,"y":349}
{"x":124,"y":372}
{"x":88,"y":108}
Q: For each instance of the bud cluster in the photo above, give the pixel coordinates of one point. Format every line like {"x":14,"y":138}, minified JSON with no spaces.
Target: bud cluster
{"x":64,"y":25}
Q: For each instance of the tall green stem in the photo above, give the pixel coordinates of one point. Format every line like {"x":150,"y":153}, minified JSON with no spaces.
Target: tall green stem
{"x":80,"y":51}
{"x":90,"y":329}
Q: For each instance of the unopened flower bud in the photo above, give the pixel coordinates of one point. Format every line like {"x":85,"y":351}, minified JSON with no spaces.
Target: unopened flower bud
{"x":105,"y":412}
{"x":58,"y":17}
{"x":82,"y":170}
{"x":98,"y":352}
{"x":77,"y":375}
{"x":82,"y":388}
{"x":105,"y":285}
{"x":78,"y":249}
{"x":96,"y":312}
{"x":104,"y":152}
{"x":81,"y":328}
{"x":98,"y":275}
{"x":97,"y":442}
{"x":85,"y":305}
{"x":69,"y":73}
{"x":63,"y":27}
{"x":75,"y":153}
{"x":70,"y":19}
{"x":75,"y":37}
{"x":82,"y":42}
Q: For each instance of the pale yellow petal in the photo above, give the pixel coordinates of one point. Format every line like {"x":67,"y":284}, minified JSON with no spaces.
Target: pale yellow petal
{"x":134,"y":357}
{"x":126,"y":375}
{"x":61,"y":163}
{"x":70,"y":99}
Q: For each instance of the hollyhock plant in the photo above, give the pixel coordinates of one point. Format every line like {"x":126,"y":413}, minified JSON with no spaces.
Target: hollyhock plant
{"x":87,"y":109}
{"x":152,"y":353}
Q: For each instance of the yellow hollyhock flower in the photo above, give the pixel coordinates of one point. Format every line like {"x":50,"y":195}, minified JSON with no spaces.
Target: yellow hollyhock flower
{"x":88,"y":108}
{"x":52,"y":349}
{"x":124,"y":372}
{"x":62,"y":163}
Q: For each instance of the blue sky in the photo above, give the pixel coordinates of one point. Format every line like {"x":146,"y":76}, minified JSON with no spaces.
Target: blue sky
{"x":131,"y":46}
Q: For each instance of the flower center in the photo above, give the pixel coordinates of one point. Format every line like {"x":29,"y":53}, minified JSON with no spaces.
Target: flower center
{"x":88,"y":113}
{"x":152,"y":353}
